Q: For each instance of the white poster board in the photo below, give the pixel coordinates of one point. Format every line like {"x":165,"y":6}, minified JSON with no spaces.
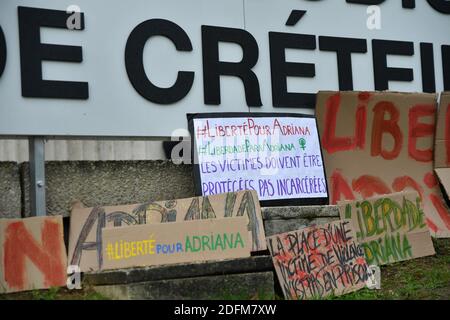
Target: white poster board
{"x":277,"y":155}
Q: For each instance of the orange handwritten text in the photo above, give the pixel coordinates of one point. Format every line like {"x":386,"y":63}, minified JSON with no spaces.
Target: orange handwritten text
{"x":20,"y":244}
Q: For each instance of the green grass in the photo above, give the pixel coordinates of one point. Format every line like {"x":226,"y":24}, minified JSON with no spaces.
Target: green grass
{"x":245,"y":296}
{"x":55,"y":293}
{"x":50,"y":294}
{"x":419,"y":279}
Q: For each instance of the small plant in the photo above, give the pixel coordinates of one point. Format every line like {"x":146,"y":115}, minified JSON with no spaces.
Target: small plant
{"x":50,"y":294}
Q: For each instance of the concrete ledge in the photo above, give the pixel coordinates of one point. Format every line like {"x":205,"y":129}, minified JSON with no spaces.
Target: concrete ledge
{"x":110,"y":183}
{"x":311,"y":212}
{"x":225,"y":287}
{"x":10,"y":191}
{"x":284,"y":219}
{"x":273,"y":227}
{"x":126,"y":276}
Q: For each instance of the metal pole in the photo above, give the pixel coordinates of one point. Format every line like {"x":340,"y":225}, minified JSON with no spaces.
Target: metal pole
{"x":37,"y":176}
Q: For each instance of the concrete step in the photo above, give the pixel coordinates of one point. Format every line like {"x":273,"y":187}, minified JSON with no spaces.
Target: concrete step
{"x":247,"y":286}
{"x":240,"y":278}
{"x":154,"y":273}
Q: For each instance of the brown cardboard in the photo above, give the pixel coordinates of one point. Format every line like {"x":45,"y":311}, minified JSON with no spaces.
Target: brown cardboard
{"x":362,"y":160}
{"x":172,"y":243}
{"x":442,"y":145}
{"x":444,"y":178}
{"x":385,"y":237}
{"x":309,"y":262}
{"x":32,"y":254}
{"x":440,"y":156}
{"x":85,"y":245}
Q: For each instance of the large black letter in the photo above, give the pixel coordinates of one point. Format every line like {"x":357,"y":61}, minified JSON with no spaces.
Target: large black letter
{"x":383,"y":74}
{"x":427,"y":62}
{"x":407,"y":4}
{"x":367,"y":2}
{"x":134,"y":62}
{"x":344,"y":47}
{"x":213,"y":68}
{"x":446,"y":66}
{"x":443,"y":6}
{"x":33,"y":52}
{"x":281,"y":69}
{"x":2,"y":52}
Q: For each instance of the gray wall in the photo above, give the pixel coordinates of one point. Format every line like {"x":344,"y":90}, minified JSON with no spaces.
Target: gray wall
{"x":10,"y":190}
{"x":94,"y":183}
{"x":126,"y":182}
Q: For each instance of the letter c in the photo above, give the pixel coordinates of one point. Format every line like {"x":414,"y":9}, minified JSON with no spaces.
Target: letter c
{"x":135,"y":65}
{"x":2,"y":52}
{"x":440,"y":5}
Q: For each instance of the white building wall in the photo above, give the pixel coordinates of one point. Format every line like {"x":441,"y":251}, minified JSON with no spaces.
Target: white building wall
{"x":77,"y":150}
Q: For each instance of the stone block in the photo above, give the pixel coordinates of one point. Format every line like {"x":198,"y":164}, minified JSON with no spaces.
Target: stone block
{"x":220,"y":287}
{"x":99,"y":183}
{"x":273,"y":227}
{"x":10,"y":190}
{"x":300,"y":212}
{"x":154,"y":273}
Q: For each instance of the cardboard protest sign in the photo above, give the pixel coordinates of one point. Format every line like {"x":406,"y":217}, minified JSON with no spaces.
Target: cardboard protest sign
{"x":32,"y":254}
{"x":442,"y":147}
{"x":381,"y":143}
{"x":85,"y":239}
{"x":179,"y":242}
{"x":277,"y":155}
{"x":319,"y":261}
{"x":390,"y":228}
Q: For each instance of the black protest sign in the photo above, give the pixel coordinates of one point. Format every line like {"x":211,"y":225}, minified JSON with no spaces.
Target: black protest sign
{"x":277,"y":155}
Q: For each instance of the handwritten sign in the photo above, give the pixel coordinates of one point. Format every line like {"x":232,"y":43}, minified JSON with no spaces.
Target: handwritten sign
{"x":380,"y":143}
{"x":32,"y":254}
{"x":278,"y":156}
{"x":179,"y":242}
{"x":86,"y":224}
{"x":319,"y":261}
{"x":442,"y":146}
{"x":390,"y":228}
